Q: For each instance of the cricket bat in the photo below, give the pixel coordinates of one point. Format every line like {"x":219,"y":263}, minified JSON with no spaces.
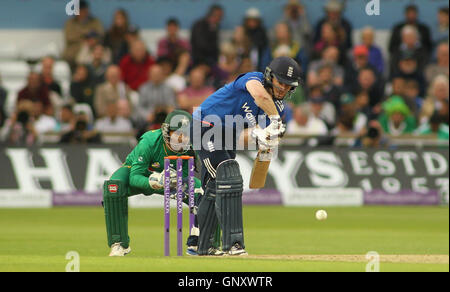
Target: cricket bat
{"x":260,"y":169}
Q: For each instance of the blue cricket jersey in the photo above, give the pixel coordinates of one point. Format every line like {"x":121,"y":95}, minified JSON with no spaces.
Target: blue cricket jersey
{"x":233,"y":99}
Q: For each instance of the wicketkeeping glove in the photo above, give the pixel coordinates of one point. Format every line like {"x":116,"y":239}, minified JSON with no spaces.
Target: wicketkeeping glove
{"x":156,"y":179}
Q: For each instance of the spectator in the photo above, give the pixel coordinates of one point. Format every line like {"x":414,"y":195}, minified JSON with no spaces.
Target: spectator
{"x":436,"y":125}
{"x":228,"y":60}
{"x":362,"y":100}
{"x":368,"y":83}
{"x":66,"y":119}
{"x":234,"y":53}
{"x":241,"y":43}
{"x":86,"y":54}
{"x":124,"y":109}
{"x":306,"y":123}
{"x":375,"y":54}
{"x":111,"y":91}
{"x":351,"y":121}
{"x":331,"y":56}
{"x":259,"y":42}
{"x":82,"y":132}
{"x":412,"y":98}
{"x":75,"y":30}
{"x":409,"y":68}
{"x":339,"y":24}
{"x":115,"y":37}
{"x":131,"y":36}
{"x":197,"y":91}
{"x":297,"y":20}
{"x":36,"y":90}
{"x":360,"y":61}
{"x":410,"y":45}
{"x":19,"y":128}
{"x":411,"y":19}
{"x":47,"y":75}
{"x":398,"y":86}
{"x":172,"y":46}
{"x":43,"y":123}
{"x":440,"y":32}
{"x":3,"y":96}
{"x":81,"y":87}
{"x":321,"y":109}
{"x":135,"y":66}
{"x":373,"y":137}
{"x":174,"y":77}
{"x":205,"y":37}
{"x":397,"y":118}
{"x":155,"y":96}
{"x":285,"y":46}
{"x":112,"y":122}
{"x":441,"y":66}
{"x":330,"y":91}
{"x":329,"y":38}
{"x":98,"y":66}
{"x":438,"y":94}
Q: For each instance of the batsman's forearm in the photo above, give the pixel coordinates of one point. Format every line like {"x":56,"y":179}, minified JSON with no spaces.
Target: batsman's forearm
{"x":262,"y":97}
{"x":267,"y":105}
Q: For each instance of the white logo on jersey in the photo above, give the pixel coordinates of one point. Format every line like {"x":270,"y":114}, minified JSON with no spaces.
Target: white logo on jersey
{"x":249,"y":114}
{"x":290,"y":71}
{"x":280,"y":105}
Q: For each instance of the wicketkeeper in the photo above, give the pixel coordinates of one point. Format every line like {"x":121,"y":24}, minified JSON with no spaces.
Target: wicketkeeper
{"x":258,"y":99}
{"x":143,"y":173}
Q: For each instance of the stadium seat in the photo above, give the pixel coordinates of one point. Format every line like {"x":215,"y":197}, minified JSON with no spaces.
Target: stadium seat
{"x":37,"y":52}
{"x":13,"y":86}
{"x":61,"y":71}
{"x":8,"y":51}
{"x":14,"y":69}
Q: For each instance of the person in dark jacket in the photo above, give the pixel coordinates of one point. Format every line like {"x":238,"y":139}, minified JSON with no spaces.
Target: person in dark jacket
{"x":334,"y":10}
{"x":259,"y":42}
{"x":411,"y":18}
{"x":205,"y":37}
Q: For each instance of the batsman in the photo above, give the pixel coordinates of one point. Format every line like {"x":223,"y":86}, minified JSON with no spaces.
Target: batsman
{"x":257,"y":100}
{"x":142,"y":173}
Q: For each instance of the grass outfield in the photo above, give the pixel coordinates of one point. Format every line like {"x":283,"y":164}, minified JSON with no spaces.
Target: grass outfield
{"x":277,"y":239}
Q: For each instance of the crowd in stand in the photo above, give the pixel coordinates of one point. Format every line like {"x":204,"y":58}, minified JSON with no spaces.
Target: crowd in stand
{"x":350,"y":87}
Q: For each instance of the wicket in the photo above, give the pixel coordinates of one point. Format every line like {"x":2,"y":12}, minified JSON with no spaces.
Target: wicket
{"x":179,"y":198}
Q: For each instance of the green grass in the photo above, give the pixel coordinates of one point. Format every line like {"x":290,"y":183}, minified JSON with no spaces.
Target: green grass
{"x":38,"y":239}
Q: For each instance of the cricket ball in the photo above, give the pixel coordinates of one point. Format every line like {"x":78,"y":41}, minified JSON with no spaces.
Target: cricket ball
{"x":321,"y":215}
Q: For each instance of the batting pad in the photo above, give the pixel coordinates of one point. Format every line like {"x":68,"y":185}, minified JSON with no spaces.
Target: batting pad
{"x":229,"y":188}
{"x":207,"y":220}
{"x":115,"y":202}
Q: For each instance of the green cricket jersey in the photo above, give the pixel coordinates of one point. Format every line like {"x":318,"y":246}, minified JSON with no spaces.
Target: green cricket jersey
{"x":148,"y":157}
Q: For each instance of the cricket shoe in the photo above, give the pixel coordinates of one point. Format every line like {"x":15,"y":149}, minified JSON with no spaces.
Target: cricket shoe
{"x":192,"y":251}
{"x":119,"y":251}
{"x":237,"y":250}
{"x":213,"y":252}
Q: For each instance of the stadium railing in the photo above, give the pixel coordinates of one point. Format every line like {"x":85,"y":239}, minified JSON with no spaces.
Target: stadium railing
{"x":290,"y":140}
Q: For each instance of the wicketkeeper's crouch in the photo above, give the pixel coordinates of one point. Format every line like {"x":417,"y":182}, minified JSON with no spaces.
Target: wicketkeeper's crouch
{"x":143,"y":173}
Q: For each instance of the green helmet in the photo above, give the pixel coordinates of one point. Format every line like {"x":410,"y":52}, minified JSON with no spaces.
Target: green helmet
{"x":178,"y":121}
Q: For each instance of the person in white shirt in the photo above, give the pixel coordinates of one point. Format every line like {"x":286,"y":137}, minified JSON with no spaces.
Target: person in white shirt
{"x":113,"y":123}
{"x":43,"y":123}
{"x":305,"y":123}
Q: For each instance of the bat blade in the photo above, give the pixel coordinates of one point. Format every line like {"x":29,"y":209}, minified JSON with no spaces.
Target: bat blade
{"x":260,"y":170}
